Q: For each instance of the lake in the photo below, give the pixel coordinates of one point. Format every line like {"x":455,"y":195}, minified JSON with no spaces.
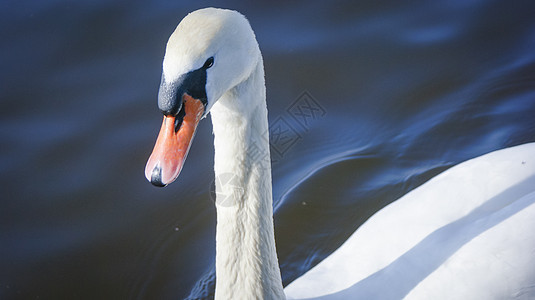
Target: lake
{"x":366,"y":102}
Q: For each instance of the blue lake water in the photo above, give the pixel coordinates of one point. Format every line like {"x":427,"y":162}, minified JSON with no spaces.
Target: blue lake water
{"x":366,"y":102}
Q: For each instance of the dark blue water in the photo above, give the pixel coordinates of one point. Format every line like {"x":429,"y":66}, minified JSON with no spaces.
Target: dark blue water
{"x":366,"y":101}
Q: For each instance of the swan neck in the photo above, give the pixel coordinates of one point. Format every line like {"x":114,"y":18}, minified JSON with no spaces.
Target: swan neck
{"x":246,"y":259}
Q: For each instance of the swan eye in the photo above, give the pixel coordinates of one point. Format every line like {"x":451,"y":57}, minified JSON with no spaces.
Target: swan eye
{"x":209,"y":62}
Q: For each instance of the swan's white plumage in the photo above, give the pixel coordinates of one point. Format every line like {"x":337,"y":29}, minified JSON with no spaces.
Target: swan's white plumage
{"x":465,"y":234}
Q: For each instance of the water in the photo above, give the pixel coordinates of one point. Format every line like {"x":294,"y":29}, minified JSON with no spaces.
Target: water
{"x":394,"y":93}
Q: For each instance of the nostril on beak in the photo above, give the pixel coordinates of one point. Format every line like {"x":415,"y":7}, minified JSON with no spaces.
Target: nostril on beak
{"x":156,"y":176}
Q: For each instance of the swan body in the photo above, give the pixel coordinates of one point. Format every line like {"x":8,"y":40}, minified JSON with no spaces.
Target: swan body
{"x":465,"y":234}
{"x":427,"y":245}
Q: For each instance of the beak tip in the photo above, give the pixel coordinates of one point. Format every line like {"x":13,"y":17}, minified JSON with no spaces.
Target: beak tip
{"x":158,"y":184}
{"x":156,"y":176}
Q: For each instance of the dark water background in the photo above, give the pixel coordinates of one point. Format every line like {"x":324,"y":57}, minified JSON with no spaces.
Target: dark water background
{"x":367,"y":100}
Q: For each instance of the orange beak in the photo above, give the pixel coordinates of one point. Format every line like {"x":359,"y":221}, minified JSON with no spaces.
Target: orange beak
{"x":172,"y":146}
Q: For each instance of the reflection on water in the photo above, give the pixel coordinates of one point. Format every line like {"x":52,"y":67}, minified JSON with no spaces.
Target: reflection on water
{"x":398,"y":93}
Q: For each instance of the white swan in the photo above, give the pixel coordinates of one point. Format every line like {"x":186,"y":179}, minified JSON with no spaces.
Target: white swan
{"x":213,"y":64}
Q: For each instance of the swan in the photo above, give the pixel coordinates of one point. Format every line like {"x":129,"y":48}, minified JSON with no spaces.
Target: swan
{"x":451,"y":236}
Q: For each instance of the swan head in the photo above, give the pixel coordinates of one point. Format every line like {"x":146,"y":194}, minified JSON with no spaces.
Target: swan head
{"x":210,"y":52}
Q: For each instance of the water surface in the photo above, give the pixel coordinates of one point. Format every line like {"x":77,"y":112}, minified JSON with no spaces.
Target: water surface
{"x":392,"y":94}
